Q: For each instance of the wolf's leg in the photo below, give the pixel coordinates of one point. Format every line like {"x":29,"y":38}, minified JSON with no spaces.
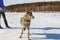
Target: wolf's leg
{"x":28,"y":34}
{"x":21,"y":32}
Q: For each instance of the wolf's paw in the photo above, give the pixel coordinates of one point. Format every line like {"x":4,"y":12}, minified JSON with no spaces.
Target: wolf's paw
{"x":20,"y":37}
{"x":28,"y":39}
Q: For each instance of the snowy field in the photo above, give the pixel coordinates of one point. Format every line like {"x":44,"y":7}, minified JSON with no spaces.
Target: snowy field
{"x":45,"y":26}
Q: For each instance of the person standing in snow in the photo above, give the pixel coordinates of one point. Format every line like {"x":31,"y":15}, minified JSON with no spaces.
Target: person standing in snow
{"x":3,"y":14}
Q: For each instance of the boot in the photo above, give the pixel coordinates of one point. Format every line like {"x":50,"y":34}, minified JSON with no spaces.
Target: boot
{"x":1,"y":27}
{"x":8,"y":26}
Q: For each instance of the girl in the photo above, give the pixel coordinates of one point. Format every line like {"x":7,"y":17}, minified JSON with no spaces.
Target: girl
{"x":3,"y":14}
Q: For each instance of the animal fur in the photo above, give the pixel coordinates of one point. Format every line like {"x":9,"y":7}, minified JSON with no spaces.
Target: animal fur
{"x":25,"y":23}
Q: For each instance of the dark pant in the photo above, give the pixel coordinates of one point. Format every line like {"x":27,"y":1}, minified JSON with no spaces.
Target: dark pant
{"x":4,"y":17}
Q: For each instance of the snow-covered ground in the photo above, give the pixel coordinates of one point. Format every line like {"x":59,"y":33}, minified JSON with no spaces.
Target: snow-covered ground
{"x":45,"y":26}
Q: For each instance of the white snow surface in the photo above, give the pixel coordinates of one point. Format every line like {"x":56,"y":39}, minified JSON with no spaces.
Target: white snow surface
{"x":42,"y":20}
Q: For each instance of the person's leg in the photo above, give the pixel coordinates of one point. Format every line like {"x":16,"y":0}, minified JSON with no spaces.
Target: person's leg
{"x":0,"y":21}
{"x":4,"y":17}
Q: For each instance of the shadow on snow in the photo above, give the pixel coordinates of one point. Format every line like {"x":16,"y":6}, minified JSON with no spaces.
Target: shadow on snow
{"x":48,"y":36}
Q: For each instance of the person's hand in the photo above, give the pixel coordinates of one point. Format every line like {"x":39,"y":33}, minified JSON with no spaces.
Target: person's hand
{"x":1,"y":9}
